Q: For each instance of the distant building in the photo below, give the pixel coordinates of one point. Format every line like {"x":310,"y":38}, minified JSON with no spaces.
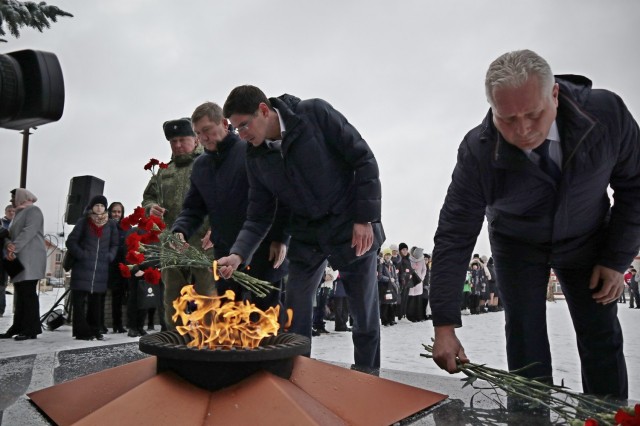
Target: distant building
{"x":55,"y":255}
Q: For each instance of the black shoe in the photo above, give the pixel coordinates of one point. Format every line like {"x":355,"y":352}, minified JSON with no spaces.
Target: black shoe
{"x":142,"y":332}
{"x":117,"y":330}
{"x":321,"y":330}
{"x":20,"y":337}
{"x":151,"y":328}
{"x":392,"y":323}
{"x":85,"y":337}
{"x":315,"y":333}
{"x":104,"y":330}
{"x":99,"y":337}
{"x":133,"y":333}
{"x":6,"y":336}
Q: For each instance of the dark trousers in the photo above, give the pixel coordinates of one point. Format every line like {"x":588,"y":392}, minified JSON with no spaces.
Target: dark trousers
{"x":341,"y":308}
{"x":26,"y":318}
{"x":135,"y":316}
{"x":87,"y":319}
{"x":322,"y":295}
{"x":401,"y":306}
{"x":387,"y":313}
{"x":361,"y":285}
{"x":522,"y":288}
{"x":634,"y":295}
{"x":3,"y":299}
{"x":118,"y":293}
{"x":3,"y":289}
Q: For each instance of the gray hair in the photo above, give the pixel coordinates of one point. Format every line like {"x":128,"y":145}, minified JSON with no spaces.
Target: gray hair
{"x":513,"y":69}
{"x":210,"y":110}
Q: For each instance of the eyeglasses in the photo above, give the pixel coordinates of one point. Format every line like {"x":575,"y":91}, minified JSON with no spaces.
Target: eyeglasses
{"x":243,"y":127}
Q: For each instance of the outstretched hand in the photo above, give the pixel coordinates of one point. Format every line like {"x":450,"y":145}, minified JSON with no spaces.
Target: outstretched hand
{"x":612,"y":284}
{"x":228,"y":264}
{"x":447,"y":348}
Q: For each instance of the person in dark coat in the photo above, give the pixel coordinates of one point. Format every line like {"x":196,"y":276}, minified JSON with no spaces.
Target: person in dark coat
{"x":220,"y":189}
{"x":405,"y":272}
{"x":306,"y":155}
{"x":9,"y":213}
{"x":539,"y":167}
{"x":388,"y":288}
{"x":117,"y":285}
{"x":93,"y":243}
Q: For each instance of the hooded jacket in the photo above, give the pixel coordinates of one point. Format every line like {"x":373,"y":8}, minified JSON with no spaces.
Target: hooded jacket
{"x":568,"y":224}
{"x":324,"y":172}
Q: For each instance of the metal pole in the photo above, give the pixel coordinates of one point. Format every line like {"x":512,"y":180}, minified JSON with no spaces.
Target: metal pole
{"x":25,"y":157}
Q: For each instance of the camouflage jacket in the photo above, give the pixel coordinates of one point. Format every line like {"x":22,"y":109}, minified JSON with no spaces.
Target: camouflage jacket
{"x":168,"y":189}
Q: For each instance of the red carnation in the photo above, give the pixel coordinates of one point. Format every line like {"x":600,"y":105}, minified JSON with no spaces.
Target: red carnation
{"x":163,"y":165}
{"x":591,"y":422}
{"x":151,"y":163}
{"x":142,"y":222}
{"x":124,"y":270}
{"x":138,"y":213}
{"x":152,"y":275}
{"x":154,"y":220}
{"x":133,"y":257}
{"x":624,"y":418}
{"x":125,"y":224}
{"x":133,"y":241}
{"x":149,"y":238}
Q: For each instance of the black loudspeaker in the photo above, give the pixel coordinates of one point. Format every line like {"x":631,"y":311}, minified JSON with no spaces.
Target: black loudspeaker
{"x":81,"y":190}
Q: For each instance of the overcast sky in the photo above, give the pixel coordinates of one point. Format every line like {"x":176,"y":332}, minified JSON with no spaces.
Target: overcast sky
{"x":408,"y":74}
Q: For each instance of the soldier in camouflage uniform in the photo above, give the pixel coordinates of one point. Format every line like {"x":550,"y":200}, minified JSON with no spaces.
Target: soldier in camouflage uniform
{"x":163,"y":197}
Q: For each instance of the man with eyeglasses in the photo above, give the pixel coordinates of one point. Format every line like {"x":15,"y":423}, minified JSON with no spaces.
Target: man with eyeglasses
{"x":327,"y":175}
{"x":163,"y":197}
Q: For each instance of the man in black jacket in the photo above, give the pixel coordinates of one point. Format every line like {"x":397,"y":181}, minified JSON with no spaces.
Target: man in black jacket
{"x":307,"y":156}
{"x":539,"y":166}
{"x":220,"y":189}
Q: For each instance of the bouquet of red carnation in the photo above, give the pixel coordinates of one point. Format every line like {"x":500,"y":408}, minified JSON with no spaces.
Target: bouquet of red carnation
{"x":148,"y":231}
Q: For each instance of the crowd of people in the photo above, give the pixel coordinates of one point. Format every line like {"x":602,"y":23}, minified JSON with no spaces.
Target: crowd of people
{"x":403,"y":289}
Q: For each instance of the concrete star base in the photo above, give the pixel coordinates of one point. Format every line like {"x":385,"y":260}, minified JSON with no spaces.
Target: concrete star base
{"x":317,"y":393}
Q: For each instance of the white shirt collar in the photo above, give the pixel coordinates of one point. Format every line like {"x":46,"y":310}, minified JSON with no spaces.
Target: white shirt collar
{"x":282,"y":128}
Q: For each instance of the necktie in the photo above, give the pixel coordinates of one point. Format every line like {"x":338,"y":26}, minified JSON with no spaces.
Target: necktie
{"x":546,"y":163}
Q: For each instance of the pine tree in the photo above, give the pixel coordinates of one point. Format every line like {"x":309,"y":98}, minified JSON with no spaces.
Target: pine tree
{"x":17,"y":14}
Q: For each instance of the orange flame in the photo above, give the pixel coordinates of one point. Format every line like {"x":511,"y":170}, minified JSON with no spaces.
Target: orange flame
{"x":220,"y":322}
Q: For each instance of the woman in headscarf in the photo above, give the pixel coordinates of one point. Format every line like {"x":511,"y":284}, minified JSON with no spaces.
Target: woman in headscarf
{"x":93,"y":244}
{"x":26,"y":244}
{"x":419,"y":271}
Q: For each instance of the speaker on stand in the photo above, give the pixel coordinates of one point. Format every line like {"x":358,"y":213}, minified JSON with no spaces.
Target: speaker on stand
{"x":81,"y":190}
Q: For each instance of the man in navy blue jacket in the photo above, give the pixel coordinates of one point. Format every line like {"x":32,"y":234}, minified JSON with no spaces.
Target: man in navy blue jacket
{"x":307,"y":156}
{"x":538,"y":167}
{"x":219,"y":189}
